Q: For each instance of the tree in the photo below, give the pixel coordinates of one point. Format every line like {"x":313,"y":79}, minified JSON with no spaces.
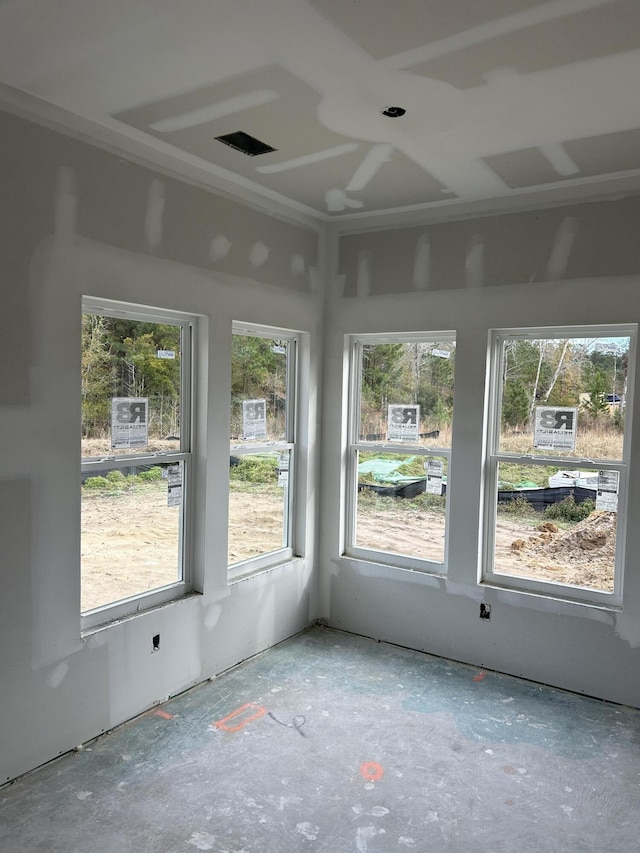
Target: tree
{"x":545,"y":370}
{"x":258,"y":371}
{"x":95,"y":376}
{"x":144,"y":374}
{"x":120,"y":359}
{"x":382,"y":370}
{"x":596,"y":403}
{"x":515,"y":405}
{"x":435,"y":385}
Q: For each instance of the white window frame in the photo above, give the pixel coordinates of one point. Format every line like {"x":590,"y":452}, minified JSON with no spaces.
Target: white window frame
{"x":356,"y":344}
{"x":493,"y":456}
{"x":184,"y":585}
{"x":279,"y":555}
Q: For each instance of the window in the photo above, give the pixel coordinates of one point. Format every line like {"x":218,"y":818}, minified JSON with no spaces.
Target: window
{"x":557,"y":464}
{"x":136,"y":457}
{"x":401,"y":407}
{"x":262,"y":456}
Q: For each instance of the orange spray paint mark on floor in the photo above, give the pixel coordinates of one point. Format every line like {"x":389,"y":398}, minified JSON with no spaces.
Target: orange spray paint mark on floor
{"x":372,"y":771}
{"x":163,"y":714}
{"x":480,"y":676}
{"x":258,"y":711}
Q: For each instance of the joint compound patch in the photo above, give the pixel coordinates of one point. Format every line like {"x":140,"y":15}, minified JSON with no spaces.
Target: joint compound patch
{"x":259,"y":254}
{"x":309,"y":830}
{"x":202,"y":840}
{"x":219,"y":248}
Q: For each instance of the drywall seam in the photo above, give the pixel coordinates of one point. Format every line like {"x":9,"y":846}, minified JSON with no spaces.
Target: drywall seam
{"x":373,"y":161}
{"x":65,"y":202}
{"x":308,"y":159}
{"x":154,"y":214}
{"x":363,"y":279}
{"x":513,"y":23}
{"x":559,"y":158}
{"x":211,"y":112}
{"x":561,"y":250}
{"x":627,"y":627}
{"x":474,"y":262}
{"x":422,"y":263}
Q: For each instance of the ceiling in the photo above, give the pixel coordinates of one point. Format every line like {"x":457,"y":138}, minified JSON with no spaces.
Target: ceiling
{"x":503,"y":99}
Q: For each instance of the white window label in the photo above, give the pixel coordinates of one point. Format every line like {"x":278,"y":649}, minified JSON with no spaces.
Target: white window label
{"x":434,"y":476}
{"x":441,"y":353}
{"x":165,"y":353}
{"x":129,"y":422}
{"x":283,"y":478}
{"x":174,"y":485}
{"x":403,"y":423}
{"x":607,"y":494}
{"x":283,"y":469}
{"x":555,"y":428}
{"x":254,"y":419}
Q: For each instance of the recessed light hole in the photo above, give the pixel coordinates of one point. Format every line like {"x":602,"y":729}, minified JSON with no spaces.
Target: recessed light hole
{"x":393,"y":112}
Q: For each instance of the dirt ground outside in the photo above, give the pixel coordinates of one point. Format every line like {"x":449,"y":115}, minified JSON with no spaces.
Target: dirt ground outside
{"x":581,"y":555}
{"x":130,"y":541}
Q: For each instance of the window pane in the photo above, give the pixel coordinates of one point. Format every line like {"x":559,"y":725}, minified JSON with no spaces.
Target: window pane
{"x":407,"y":392}
{"x":131,"y":531}
{"x":258,"y":502}
{"x":259,"y":388}
{"x":401,"y":504}
{"x":556,"y":525}
{"x":564,"y":396}
{"x":130,"y":386}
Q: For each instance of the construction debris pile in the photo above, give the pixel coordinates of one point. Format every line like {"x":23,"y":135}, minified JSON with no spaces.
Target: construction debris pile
{"x":583,"y":555}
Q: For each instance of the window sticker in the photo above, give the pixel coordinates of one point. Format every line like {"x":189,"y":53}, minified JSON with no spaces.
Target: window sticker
{"x":607,"y":494}
{"x":434,"y":471}
{"x":403,"y":423}
{"x":254,"y":419}
{"x":555,"y":428}
{"x":129,"y":422}
{"x":174,"y":485}
{"x":283,"y":469}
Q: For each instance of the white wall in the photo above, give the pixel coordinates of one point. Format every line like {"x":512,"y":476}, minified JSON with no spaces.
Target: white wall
{"x":527,"y":272}
{"x":76,"y":220}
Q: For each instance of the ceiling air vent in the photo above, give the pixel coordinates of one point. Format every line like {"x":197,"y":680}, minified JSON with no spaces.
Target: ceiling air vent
{"x":247,"y":144}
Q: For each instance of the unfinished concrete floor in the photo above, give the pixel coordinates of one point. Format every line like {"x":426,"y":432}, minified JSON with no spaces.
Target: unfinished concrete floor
{"x":334,"y":743}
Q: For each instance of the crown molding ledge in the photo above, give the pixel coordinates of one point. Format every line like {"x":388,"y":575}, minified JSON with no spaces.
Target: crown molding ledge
{"x":156,"y":155}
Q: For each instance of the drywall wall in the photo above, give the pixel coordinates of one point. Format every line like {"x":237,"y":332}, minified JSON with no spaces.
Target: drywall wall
{"x":78,"y":221}
{"x":570,"y":266}
{"x":570,"y":242}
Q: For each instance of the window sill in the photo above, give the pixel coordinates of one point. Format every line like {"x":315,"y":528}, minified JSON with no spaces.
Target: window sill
{"x":554,"y":598}
{"x":371,"y":567}
{"x":244,"y":571}
{"x":99,"y":619}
